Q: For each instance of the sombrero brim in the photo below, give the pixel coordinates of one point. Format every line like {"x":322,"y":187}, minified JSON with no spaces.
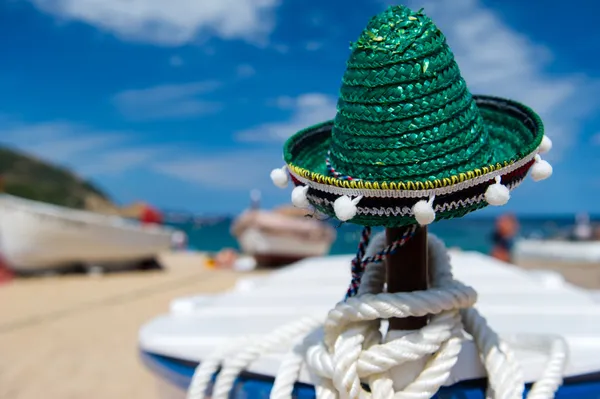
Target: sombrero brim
{"x":515,"y":134}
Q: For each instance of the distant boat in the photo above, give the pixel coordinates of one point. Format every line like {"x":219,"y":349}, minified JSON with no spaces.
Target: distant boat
{"x":577,"y":245}
{"x":557,"y":250}
{"x":281,"y":236}
{"x":36,"y":236}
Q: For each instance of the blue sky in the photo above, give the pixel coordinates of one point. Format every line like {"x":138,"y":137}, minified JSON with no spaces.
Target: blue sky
{"x":186,"y":104}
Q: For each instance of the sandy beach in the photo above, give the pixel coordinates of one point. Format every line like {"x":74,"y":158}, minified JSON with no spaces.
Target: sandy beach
{"x":585,"y":275}
{"x":76,"y":336}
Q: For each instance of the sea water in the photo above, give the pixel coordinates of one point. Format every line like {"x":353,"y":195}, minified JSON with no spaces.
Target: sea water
{"x":472,"y":234}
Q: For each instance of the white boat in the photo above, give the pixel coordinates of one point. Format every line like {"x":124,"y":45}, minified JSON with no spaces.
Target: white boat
{"x":517,"y":303}
{"x":280,"y":237}
{"x":35,"y":236}
{"x":557,"y":250}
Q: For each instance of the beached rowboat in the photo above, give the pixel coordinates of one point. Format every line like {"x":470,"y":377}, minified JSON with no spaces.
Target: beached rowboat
{"x":35,"y":236}
{"x":280,"y":237}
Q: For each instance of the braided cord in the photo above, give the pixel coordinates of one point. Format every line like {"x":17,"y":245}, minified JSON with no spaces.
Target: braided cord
{"x":332,"y":172}
{"x":358,"y":268}
{"x":359,"y":264}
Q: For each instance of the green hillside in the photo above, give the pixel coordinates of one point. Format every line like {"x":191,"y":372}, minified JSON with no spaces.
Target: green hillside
{"x":31,"y":178}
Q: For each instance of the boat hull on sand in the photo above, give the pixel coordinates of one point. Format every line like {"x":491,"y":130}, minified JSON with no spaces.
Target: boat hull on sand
{"x":35,"y":237}
{"x":272,"y":250}
{"x":281,"y":237}
{"x":557,"y":250}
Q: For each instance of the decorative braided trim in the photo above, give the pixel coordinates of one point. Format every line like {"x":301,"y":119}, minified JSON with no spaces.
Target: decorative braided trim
{"x":372,"y":189}
{"x":407,"y":211}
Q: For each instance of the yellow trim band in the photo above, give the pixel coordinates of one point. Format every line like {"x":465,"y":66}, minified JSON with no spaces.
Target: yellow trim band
{"x":397,"y":186}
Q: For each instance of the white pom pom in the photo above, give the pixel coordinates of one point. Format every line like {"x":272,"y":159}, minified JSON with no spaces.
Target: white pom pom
{"x":280,"y":177}
{"x":423,"y":211}
{"x":497,"y":194}
{"x":541,"y":169}
{"x":345,"y":208}
{"x":299,"y":197}
{"x":546,"y":145}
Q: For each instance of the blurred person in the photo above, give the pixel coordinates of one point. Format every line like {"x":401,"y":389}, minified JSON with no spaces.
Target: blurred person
{"x":255,"y":196}
{"x":505,"y":230}
{"x":179,"y":239}
{"x":583,"y":230}
{"x":596,"y":233}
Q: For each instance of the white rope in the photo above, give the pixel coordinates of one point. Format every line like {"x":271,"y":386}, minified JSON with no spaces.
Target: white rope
{"x":400,"y":365}
{"x":240,"y":355}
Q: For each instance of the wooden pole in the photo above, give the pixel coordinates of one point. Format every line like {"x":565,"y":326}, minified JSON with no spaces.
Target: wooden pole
{"x":407,"y":271}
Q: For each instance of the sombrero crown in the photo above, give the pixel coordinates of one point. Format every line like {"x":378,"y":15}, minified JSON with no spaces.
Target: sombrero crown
{"x":409,"y":141}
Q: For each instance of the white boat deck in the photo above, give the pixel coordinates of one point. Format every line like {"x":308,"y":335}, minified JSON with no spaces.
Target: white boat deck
{"x":512,"y":300}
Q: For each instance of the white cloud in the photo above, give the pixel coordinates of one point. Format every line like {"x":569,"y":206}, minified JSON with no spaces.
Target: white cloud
{"x":497,"y":60}
{"x":235,"y":171}
{"x":245,"y":70}
{"x":118,"y":160}
{"x":56,"y":141}
{"x":494,"y":59}
{"x":175,"y":61}
{"x":307,"y":109}
{"x":89,"y":152}
{"x":171,"y":23}
{"x":167,"y":101}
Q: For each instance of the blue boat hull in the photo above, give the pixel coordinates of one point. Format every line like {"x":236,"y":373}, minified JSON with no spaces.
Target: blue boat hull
{"x":178,"y":373}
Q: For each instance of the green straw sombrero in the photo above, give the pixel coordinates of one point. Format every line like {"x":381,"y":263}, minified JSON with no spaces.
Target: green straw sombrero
{"x":409,"y":142}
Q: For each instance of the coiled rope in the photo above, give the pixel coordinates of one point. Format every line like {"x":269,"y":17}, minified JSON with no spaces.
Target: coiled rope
{"x":401,"y":365}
